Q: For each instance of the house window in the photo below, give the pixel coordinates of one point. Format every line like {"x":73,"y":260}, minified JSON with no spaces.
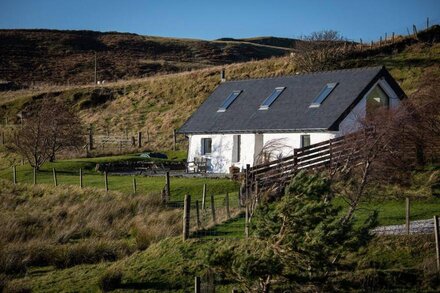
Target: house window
{"x":305,"y":140}
{"x":206,"y":146}
{"x":323,"y":94}
{"x":236,"y":148}
{"x":270,"y":99}
{"x":377,"y":99}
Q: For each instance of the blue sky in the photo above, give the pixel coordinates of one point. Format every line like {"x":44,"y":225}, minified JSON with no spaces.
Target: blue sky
{"x":366,"y":19}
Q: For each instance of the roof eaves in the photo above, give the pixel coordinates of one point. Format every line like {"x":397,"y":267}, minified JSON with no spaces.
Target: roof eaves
{"x":302,"y":130}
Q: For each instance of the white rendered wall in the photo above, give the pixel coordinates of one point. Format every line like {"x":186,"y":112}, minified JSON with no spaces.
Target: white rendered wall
{"x":351,"y":123}
{"x":251,"y":146}
{"x":221,"y":155}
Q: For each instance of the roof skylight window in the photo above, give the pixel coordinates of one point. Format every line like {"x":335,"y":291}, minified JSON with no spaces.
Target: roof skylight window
{"x":229,"y":100}
{"x":270,"y":99}
{"x":325,"y":92}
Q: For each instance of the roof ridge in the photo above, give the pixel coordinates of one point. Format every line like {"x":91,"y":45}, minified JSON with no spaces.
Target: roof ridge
{"x":309,"y":73}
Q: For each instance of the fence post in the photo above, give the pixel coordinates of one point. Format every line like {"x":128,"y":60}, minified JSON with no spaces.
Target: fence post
{"x":198,"y":215}
{"x":392,"y":38}
{"x":90,"y":138}
{"x":54,"y":173}
{"x":246,"y":224}
{"x":80,"y":178}
{"x":174,"y":140}
{"x":427,"y":23}
{"x":197,"y":288}
{"x":106,"y":180}
{"x":167,"y":187}
{"x":415,"y":31}
{"x":14,"y":174}
{"x":186,"y":216}
{"x":35,"y":176}
{"x":134,"y":185}
{"x":408,"y":223}
{"x":213,"y":209}
{"x":380,"y":41}
{"x":133,"y":141}
{"x":228,"y":212}
{"x":437,"y":242}
{"x":295,"y":157}
{"x":139,"y":139}
{"x":204,"y":197}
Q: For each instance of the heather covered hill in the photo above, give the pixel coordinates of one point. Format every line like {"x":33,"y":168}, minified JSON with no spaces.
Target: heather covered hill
{"x":67,"y":57}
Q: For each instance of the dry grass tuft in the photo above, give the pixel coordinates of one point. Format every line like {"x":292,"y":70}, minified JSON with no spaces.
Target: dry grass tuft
{"x":67,"y":226}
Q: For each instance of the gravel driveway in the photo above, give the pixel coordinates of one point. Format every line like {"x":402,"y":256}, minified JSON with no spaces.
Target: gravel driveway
{"x":416,"y":227}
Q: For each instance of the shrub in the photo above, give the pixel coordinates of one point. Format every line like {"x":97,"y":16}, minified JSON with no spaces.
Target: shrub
{"x":16,"y":287}
{"x":90,"y":252}
{"x":110,"y":280}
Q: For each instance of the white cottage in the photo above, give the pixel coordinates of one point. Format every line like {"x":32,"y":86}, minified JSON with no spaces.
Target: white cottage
{"x":242,"y":118}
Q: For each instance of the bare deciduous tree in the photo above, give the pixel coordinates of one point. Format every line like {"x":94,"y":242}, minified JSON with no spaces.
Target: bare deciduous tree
{"x":48,"y":128}
{"x":324,"y":35}
{"x":326,"y":49}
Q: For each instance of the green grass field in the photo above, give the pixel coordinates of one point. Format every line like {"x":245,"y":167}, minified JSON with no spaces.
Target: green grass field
{"x":68,"y":174}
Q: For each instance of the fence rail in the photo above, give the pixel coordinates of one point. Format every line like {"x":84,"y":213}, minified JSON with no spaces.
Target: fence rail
{"x":323,"y":154}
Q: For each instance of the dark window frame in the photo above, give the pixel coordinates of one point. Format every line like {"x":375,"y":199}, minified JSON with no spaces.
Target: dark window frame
{"x":370,"y":106}
{"x":302,"y":141}
{"x":206,"y":141}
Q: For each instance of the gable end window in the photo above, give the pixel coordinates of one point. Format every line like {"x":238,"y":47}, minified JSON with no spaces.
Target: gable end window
{"x":377,"y":99}
{"x":206,"y":146}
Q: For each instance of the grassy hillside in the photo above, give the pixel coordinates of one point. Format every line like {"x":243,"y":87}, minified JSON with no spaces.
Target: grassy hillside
{"x":63,"y":57}
{"x":388,"y":264}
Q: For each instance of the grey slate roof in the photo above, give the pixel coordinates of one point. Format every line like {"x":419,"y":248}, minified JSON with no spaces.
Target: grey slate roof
{"x":290,"y":112}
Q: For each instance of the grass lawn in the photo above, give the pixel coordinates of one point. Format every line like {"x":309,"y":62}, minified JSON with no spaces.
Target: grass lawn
{"x":68,"y":174}
{"x":392,"y":212}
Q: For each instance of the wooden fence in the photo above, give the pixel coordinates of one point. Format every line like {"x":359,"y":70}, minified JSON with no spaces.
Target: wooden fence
{"x":326,"y":154}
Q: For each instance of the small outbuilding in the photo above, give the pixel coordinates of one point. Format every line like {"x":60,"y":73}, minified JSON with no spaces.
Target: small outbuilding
{"x":243,"y":120}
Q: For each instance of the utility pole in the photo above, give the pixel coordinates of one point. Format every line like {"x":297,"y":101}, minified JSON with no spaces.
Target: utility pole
{"x":95,"y":67}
